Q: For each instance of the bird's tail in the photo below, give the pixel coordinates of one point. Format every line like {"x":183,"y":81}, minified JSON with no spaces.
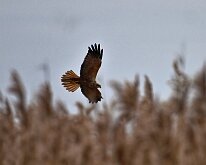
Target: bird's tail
{"x":70,"y":81}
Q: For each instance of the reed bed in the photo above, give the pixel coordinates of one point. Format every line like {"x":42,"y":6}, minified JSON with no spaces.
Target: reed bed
{"x":132,"y":129}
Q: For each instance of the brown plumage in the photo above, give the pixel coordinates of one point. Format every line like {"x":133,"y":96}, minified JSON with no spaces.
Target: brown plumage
{"x":88,"y":72}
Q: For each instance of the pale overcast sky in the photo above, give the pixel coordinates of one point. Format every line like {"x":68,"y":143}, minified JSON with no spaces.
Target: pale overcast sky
{"x":138,"y":37}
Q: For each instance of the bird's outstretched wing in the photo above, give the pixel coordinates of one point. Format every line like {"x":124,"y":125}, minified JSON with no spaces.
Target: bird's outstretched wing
{"x":91,"y":63}
{"x":92,"y":93}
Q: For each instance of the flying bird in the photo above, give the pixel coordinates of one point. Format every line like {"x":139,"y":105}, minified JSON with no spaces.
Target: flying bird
{"x":87,"y":79}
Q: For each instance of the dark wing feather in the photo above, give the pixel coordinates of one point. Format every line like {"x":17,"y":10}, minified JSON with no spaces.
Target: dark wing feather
{"x":92,"y":93}
{"x":92,"y":63}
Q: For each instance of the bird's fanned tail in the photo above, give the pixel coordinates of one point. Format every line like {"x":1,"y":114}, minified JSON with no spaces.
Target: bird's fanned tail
{"x":70,"y":81}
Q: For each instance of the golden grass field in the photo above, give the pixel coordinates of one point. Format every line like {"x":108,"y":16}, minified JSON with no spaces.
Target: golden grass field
{"x":131,"y":129}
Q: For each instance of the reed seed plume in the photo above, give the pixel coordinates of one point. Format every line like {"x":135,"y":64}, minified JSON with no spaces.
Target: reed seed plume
{"x":44,"y":98}
{"x":180,"y":84}
{"x":148,"y":89}
{"x":127,"y":93}
{"x":17,"y":89}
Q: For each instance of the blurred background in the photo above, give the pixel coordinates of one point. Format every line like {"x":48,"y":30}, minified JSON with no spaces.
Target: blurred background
{"x":138,"y":37}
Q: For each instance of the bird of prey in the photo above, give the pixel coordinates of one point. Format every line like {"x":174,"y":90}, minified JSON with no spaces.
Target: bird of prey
{"x":86,"y":81}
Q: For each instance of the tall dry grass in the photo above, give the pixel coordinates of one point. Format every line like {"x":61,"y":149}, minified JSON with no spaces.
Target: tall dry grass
{"x":131,"y":129}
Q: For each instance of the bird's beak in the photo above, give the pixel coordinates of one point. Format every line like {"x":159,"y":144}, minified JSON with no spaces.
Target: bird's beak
{"x":98,"y":86}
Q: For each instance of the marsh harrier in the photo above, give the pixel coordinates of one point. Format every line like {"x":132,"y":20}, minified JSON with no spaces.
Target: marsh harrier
{"x":86,"y":81}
